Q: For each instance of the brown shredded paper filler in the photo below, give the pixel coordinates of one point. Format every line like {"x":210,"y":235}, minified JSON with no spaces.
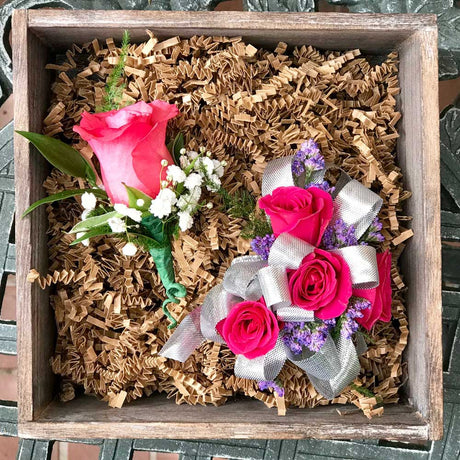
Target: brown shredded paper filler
{"x":247,"y":105}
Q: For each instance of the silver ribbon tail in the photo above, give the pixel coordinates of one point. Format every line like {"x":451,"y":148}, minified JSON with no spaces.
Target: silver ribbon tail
{"x":348,"y":371}
{"x":185,"y":339}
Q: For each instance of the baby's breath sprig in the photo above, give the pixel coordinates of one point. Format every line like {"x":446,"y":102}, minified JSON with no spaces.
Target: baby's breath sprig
{"x":180,"y":196}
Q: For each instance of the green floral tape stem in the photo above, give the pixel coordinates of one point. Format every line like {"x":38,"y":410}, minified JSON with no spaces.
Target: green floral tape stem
{"x":162,"y":256}
{"x":164,"y":263}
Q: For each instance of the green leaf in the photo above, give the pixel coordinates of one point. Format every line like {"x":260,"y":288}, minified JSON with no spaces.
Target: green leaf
{"x":90,"y":175}
{"x":175,"y":147}
{"x":97,"y":231}
{"x":62,"y":196}
{"x":134,"y":194}
{"x":92,"y":222}
{"x":61,"y":155}
{"x":146,"y":241}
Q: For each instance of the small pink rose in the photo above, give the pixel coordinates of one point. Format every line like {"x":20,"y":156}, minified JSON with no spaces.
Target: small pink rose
{"x":129,"y":144}
{"x":250,"y":329}
{"x":380,"y":297}
{"x":322,"y":284}
{"x":304,"y":213}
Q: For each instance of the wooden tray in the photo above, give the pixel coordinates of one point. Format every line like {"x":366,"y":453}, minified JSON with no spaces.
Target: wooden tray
{"x":37,"y":34}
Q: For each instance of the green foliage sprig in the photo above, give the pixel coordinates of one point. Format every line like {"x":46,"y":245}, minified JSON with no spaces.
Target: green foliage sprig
{"x":241,"y":205}
{"x":113,"y":90}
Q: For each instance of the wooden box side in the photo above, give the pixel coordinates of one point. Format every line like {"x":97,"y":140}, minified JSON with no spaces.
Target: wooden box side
{"x":370,"y":32}
{"x":421,"y":267}
{"x":35,"y":318}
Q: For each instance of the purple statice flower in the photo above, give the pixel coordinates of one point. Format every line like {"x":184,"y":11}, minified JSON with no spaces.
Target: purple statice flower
{"x":339,"y":235}
{"x":324,"y":185}
{"x":261,"y":245}
{"x":299,"y":335}
{"x":373,"y":233}
{"x":271,"y":385}
{"x":315,"y":162}
{"x":307,"y":159}
{"x":355,"y":310}
{"x":298,"y":167}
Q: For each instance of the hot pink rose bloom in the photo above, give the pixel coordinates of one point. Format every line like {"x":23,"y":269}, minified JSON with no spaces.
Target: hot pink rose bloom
{"x":380,"y":297}
{"x":299,"y":212}
{"x":322,"y":284}
{"x":129,"y":144}
{"x":250,"y":329}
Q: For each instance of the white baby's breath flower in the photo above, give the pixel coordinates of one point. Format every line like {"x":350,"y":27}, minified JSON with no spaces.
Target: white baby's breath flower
{"x":135,"y":214}
{"x":116,"y":225}
{"x":182,"y":151}
{"x":192,"y":154}
{"x":162,"y":205}
{"x":208,"y":164}
{"x":164,"y":163}
{"x":167,"y":195}
{"x":88,"y":201}
{"x":121,"y":209}
{"x":83,"y":242}
{"x":175,"y":174}
{"x":218,"y":168}
{"x":184,"y":161}
{"x":185,"y":221}
{"x":193,"y":180}
{"x":129,"y":249}
{"x":189,"y":201}
{"x":209,"y":205}
{"x":214,"y":183}
{"x":140,"y":202}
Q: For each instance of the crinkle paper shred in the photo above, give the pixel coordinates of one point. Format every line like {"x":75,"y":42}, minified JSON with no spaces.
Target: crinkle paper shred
{"x":247,"y":105}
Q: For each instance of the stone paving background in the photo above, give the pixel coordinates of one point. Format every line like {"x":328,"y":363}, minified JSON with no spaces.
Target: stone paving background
{"x":448,"y":12}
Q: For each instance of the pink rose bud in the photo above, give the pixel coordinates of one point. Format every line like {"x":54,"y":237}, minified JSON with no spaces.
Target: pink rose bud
{"x":322,"y":284}
{"x":299,"y":212}
{"x":250,"y":329}
{"x":380,"y":297}
{"x":130,"y":146}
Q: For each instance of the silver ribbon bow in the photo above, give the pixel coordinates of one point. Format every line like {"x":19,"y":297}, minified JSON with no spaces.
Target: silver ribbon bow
{"x":336,"y":364}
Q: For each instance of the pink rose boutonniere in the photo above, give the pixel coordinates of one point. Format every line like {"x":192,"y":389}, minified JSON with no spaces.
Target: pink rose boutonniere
{"x":303,"y":213}
{"x":250,"y":329}
{"x":130,"y":144}
{"x":322,"y":284}
{"x":380,"y":297}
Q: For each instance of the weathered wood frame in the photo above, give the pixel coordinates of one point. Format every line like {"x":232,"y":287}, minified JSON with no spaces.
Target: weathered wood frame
{"x":37,"y":33}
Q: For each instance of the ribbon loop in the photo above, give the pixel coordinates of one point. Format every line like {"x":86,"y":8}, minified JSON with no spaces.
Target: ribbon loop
{"x":240,"y":274}
{"x":289,"y":251}
{"x":293,"y":313}
{"x":275,"y":287}
{"x":265,"y":367}
{"x":362,"y":262}
{"x":215,"y":308}
{"x":277,"y":172}
{"x":355,"y":204}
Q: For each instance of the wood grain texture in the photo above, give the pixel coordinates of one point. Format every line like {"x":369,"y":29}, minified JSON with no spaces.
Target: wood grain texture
{"x":369,"y":32}
{"x":421,"y":264}
{"x":35,"y":318}
{"x":157,"y":417}
{"x":415,"y":37}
